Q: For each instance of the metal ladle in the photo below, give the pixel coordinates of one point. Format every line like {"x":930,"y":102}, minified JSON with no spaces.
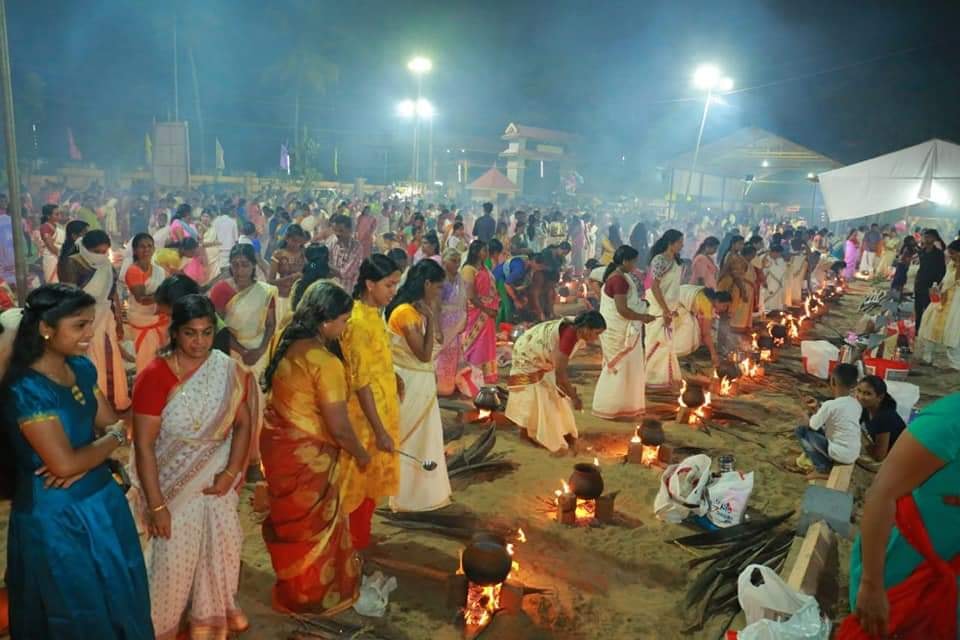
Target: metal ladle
{"x":428,"y":465}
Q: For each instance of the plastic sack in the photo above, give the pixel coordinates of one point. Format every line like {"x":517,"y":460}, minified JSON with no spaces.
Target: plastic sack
{"x":774,"y":611}
{"x":816,"y":356}
{"x":728,"y":496}
{"x":682,"y":488}
{"x":375,"y":595}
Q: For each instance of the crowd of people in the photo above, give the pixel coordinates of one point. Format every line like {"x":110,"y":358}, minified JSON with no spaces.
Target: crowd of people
{"x":307,"y":342}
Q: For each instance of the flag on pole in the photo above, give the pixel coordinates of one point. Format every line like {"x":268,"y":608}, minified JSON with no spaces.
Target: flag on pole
{"x":219,"y":153}
{"x":148,"y":149}
{"x":74,"y":149}
{"x":284,"y":159}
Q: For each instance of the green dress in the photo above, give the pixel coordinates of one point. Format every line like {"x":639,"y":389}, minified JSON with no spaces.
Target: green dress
{"x":937,"y":428}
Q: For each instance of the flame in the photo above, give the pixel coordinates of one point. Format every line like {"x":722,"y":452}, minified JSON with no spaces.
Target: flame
{"x":754,"y":345}
{"x":482,"y":603}
{"x":596,"y":462}
{"x":765,"y":355}
{"x":749,"y":369}
{"x":521,"y":536}
{"x":649,"y":455}
{"x":484,"y":414}
{"x":566,"y":487}
{"x":683,"y":389}
{"x":636,"y":439}
{"x":510,"y":548}
{"x":726,"y":386}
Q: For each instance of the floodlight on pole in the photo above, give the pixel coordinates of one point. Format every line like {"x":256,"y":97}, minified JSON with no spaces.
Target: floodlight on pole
{"x":709,"y":78}
{"x":406,"y":108}
{"x":419,"y":65}
{"x":424,"y":109}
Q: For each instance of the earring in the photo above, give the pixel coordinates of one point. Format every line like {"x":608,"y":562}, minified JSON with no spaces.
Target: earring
{"x":46,"y":337}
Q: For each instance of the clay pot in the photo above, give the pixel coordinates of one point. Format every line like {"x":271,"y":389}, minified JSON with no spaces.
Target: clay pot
{"x":487,"y":398}
{"x":651,"y":433}
{"x":765,"y":342}
{"x":728,"y":370}
{"x":693,"y":396}
{"x":486,"y":561}
{"x":586,"y":481}
{"x":778,"y":331}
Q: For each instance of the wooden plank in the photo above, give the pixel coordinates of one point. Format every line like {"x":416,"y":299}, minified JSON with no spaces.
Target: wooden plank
{"x":810,"y":562}
{"x":840,"y":477}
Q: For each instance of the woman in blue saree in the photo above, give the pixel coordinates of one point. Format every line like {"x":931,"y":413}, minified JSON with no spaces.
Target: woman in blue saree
{"x":74,"y":565}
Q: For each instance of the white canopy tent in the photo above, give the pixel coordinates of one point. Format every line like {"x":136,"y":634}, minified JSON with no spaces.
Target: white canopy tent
{"x":927,"y":172}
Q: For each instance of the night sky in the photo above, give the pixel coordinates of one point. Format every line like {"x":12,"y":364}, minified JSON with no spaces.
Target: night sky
{"x":849,"y":79}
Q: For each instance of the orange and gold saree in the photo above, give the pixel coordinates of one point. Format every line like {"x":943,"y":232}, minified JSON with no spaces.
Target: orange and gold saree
{"x":308,"y":531}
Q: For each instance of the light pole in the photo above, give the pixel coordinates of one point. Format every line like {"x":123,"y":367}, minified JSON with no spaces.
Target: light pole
{"x":418,"y":66}
{"x":419,"y":109}
{"x":707,"y":78}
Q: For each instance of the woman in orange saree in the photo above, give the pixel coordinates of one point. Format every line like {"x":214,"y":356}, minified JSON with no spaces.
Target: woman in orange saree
{"x":737,"y":277}
{"x":306,"y":447}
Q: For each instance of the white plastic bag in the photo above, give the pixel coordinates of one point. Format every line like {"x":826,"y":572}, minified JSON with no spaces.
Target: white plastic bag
{"x":682,"y":489}
{"x":728,"y":496}
{"x":374,"y":595}
{"x":816,"y":356}
{"x":774,"y":611}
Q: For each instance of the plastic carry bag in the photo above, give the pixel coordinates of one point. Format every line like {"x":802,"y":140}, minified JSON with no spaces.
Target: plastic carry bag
{"x":816,"y":356}
{"x":728,"y":496}
{"x":375,"y":595}
{"x":682,"y":489}
{"x":774,"y":611}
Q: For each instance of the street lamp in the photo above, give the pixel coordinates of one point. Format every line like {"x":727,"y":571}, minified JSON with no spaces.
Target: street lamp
{"x":418,"y":66}
{"x":709,"y":78}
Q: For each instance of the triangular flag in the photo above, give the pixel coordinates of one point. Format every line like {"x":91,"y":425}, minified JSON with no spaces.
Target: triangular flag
{"x":219,"y":148}
{"x":74,"y":149}
{"x":148,"y":149}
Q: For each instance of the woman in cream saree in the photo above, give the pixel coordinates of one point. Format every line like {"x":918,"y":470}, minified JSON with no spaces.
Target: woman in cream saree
{"x":143,"y":278}
{"x":248,"y":307}
{"x":412,"y":327}
{"x":663,"y":368}
{"x":91,"y":270}
{"x":191,"y":435}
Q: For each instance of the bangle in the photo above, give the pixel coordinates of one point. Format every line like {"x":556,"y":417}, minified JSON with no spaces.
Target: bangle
{"x":232,"y":474}
{"x":160,"y":508}
{"x":119,"y":435}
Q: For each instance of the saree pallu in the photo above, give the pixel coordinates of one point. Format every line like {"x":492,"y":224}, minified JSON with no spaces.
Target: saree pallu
{"x":480,"y":337}
{"x":421,"y":433}
{"x":662,"y":366}
{"x":104,"y":348}
{"x":194,"y":574}
{"x":620,"y":391}
{"x":774,"y":291}
{"x":148,"y":327}
{"x":453,"y":319}
{"x":535,"y":402}
{"x":793,"y":294}
{"x":308,"y":531}
{"x":246,"y":317}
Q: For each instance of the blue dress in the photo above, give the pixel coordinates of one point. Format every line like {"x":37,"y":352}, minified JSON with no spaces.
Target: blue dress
{"x":74,"y":565}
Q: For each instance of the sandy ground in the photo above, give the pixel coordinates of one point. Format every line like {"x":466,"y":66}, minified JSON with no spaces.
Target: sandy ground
{"x":617,"y":581}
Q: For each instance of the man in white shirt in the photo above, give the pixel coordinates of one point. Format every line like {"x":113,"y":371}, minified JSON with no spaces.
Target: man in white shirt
{"x":833,"y":436}
{"x":225,"y":226}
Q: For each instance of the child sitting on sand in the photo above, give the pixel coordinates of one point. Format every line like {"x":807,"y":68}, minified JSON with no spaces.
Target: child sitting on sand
{"x":833,"y":434}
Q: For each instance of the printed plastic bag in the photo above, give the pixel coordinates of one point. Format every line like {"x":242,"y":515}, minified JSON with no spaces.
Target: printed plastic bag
{"x":682,"y":489}
{"x":375,"y":595}
{"x":774,"y":611}
{"x":728,"y":496}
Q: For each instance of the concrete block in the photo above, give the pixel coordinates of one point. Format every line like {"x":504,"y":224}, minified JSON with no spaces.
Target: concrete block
{"x":829,"y":505}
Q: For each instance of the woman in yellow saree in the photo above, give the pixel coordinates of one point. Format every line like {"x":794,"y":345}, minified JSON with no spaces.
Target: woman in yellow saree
{"x":311,"y":456}
{"x":248,"y":307}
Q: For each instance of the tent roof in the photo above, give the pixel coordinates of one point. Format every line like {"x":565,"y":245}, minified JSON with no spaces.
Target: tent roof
{"x":744,"y":152}
{"x":494,"y":181}
{"x":926,"y":172}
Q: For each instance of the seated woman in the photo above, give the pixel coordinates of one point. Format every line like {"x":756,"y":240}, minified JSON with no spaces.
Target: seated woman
{"x":900,"y":582}
{"x":880,"y":420}
{"x":542,"y":398}
{"x":310,"y":457}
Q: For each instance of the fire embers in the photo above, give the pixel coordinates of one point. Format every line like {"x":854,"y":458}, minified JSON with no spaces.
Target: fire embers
{"x":487,"y":580}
